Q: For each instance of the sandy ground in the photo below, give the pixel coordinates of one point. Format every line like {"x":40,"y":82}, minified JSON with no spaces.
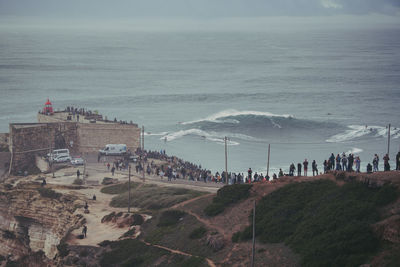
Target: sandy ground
{"x":97,"y":231}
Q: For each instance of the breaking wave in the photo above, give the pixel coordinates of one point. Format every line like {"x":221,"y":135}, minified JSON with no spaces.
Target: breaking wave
{"x":354,"y":150}
{"x":155,"y":134}
{"x":210,"y":136}
{"x":227,"y":116}
{"x":362,"y":131}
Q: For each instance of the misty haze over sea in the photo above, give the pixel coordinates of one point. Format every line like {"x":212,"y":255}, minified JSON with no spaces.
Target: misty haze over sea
{"x":308,"y":86}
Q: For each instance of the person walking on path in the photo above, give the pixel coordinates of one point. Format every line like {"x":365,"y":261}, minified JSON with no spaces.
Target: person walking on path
{"x":84,"y":231}
{"x":108,"y":166}
{"x":78,"y":174}
{"x":305,"y":167}
{"x":113,"y":170}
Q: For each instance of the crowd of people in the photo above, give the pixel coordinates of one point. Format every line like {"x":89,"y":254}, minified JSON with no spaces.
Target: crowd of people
{"x":172,"y":168}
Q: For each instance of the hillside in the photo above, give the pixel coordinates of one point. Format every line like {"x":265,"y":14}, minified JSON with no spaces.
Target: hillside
{"x":338,"y":219}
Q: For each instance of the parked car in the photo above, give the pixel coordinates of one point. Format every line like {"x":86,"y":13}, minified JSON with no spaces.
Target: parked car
{"x":62,"y":158}
{"x":57,"y":153}
{"x":113,"y":149}
{"x":133,"y":158}
{"x":77,"y":161}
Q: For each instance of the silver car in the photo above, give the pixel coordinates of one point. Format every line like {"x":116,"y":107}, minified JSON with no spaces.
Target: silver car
{"x":62,"y":158}
{"x":77,"y":161}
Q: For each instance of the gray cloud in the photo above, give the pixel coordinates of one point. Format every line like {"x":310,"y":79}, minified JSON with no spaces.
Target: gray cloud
{"x":194,"y":8}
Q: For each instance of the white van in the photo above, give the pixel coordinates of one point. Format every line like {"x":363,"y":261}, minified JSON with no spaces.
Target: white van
{"x":113,"y":149}
{"x":57,"y":153}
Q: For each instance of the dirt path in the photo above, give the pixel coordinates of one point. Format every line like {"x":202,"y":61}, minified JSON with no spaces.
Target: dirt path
{"x":210,"y":262}
{"x":97,"y":231}
{"x":181,"y":204}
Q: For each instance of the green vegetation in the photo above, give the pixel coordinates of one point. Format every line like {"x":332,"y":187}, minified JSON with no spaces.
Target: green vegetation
{"x":137,"y":219}
{"x":151,"y":197}
{"x":118,"y":188}
{"x":130,"y":232}
{"x":132,"y":252}
{"x":227,"y":195}
{"x":49,"y":193}
{"x":63,"y":249}
{"x":392,"y":258}
{"x":198,"y":233}
{"x":326,"y":224}
{"x":170,"y":217}
{"x":180,"y":227}
{"x":78,"y":181}
{"x":2,"y":258}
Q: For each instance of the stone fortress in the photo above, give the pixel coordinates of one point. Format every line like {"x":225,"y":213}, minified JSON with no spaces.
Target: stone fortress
{"x":82,"y":132}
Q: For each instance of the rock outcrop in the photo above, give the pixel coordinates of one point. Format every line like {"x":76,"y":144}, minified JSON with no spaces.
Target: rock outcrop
{"x":30,"y":222}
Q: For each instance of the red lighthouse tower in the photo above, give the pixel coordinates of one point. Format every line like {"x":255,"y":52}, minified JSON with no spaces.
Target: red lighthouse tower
{"x":48,"y":108}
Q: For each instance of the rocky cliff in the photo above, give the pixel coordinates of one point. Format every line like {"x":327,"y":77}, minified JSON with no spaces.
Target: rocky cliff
{"x":31,"y":221}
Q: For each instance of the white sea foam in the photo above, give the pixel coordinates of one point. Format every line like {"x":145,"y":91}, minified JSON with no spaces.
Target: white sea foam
{"x":357,"y":131}
{"x":210,"y":136}
{"x":354,"y":150}
{"x":155,"y":134}
{"x":219,"y":116}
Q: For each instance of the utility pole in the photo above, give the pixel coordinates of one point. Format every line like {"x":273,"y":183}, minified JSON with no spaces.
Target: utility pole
{"x":52,"y":159}
{"x":254,"y":235}
{"x":388,"y":139}
{"x":129,"y":189}
{"x":84,"y":171}
{"x":226,"y":160}
{"x":144,"y":169}
{"x":142,"y":137}
{"x":269,"y":149}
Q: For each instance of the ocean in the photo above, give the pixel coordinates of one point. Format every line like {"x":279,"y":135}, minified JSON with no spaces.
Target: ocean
{"x":306,"y":92}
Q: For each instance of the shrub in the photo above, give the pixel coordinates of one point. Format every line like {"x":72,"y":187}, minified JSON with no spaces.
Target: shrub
{"x":63,"y":249}
{"x":236,"y":237}
{"x":49,"y":193}
{"x":170,"y":217}
{"x":198,"y":233}
{"x":78,"y":181}
{"x":227,"y":195}
{"x":130,"y":232}
{"x":83,"y":253}
{"x":105,"y":243}
{"x":8,"y":235}
{"x":137,"y":219}
{"x":2,"y":258}
{"x":117,"y":188}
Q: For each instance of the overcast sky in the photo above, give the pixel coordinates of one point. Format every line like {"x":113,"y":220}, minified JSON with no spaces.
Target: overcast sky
{"x":194,"y":8}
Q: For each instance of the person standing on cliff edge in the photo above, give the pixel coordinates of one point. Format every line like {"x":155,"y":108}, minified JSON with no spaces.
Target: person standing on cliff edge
{"x":398,"y":161}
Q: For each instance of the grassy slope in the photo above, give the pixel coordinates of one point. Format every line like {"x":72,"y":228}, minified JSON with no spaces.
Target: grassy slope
{"x":132,"y":252}
{"x":326,"y":224}
{"x":175,"y":233}
{"x":150,"y":196}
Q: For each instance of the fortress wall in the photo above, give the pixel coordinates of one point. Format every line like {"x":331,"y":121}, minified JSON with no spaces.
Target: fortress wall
{"x":42,"y":118}
{"x":28,"y":140}
{"x":93,"y":137}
